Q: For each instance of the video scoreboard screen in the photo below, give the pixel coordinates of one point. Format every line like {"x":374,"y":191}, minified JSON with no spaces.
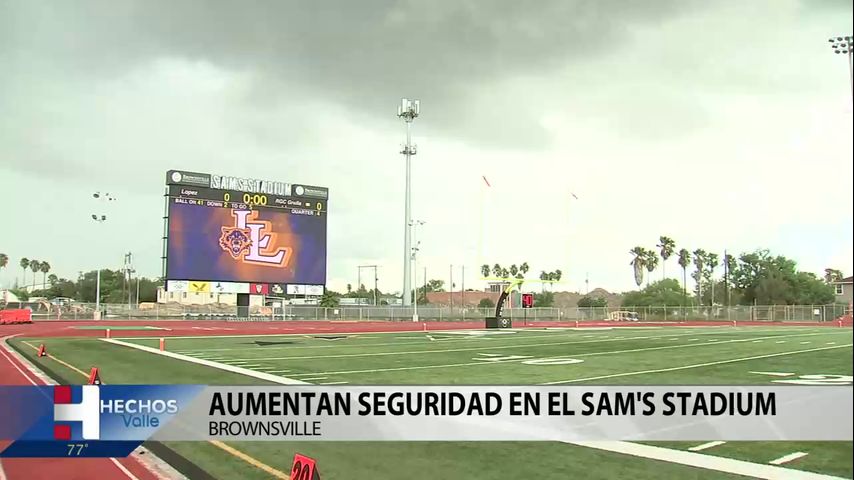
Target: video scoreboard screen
{"x":240,"y":235}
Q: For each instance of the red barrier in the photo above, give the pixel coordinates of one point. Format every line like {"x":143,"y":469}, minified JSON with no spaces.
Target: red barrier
{"x":15,"y":317}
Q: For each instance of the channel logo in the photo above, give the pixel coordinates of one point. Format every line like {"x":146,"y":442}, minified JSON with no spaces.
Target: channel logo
{"x":86,"y":412}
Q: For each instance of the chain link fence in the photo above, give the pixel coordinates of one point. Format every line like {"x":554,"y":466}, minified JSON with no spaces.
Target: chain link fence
{"x":171,"y":311}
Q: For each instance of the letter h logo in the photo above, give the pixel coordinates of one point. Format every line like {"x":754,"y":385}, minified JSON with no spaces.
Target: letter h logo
{"x":87,"y":412}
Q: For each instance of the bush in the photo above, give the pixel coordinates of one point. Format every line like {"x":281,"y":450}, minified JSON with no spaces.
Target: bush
{"x":486,"y":303}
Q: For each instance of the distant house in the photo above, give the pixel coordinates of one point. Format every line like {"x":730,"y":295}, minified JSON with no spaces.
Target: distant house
{"x":844,"y":290}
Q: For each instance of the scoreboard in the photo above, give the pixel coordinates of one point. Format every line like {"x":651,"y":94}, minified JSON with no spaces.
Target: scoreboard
{"x":241,"y":234}
{"x":210,"y":197}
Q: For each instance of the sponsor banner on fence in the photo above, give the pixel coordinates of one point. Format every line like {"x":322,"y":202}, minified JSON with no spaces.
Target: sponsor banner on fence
{"x":110,"y":418}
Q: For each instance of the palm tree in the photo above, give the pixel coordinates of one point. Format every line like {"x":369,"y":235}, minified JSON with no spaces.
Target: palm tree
{"x":712,"y":260}
{"x":44,"y":268}
{"x":831,"y":275}
{"x":543,"y":276}
{"x":504,"y":273}
{"x":638,"y":263}
{"x":684,"y":261}
{"x":650,"y":262}
{"x":514,"y":270}
{"x":496,"y":270}
{"x":666,"y":247}
{"x":52,"y":279}
{"x":349,"y":289}
{"x":4,"y":260}
{"x":484,"y":270}
{"x":523,"y":269}
{"x":24,"y":264}
{"x":35,"y":265}
{"x":700,"y":262}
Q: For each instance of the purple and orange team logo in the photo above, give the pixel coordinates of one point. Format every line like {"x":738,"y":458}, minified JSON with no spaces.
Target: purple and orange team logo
{"x":235,"y":241}
{"x":251,"y":240}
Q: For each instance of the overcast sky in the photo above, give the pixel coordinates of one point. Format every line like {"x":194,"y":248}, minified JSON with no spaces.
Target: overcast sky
{"x":724,"y":124}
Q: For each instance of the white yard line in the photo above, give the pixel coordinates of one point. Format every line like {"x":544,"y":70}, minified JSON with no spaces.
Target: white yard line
{"x":707,"y":445}
{"x":504,"y":347}
{"x":708,"y":462}
{"x":468,"y":364}
{"x":698,"y":365}
{"x":221,"y":366}
{"x":696,"y":331}
{"x":774,"y":374}
{"x":788,"y":458}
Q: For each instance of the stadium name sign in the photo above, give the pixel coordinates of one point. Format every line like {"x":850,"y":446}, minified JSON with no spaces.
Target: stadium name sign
{"x":250,"y":185}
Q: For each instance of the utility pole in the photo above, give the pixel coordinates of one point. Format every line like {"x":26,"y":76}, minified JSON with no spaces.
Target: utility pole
{"x":375,"y":280}
{"x":414,"y":225}
{"x":463,"y":288}
{"x":451,"y":286}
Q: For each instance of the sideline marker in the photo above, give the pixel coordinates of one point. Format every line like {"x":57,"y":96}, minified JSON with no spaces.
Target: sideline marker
{"x":94,"y":377}
{"x":304,"y":468}
{"x":162,"y":344}
{"x":42,"y":351}
{"x":424,"y":324}
{"x":108,"y":333}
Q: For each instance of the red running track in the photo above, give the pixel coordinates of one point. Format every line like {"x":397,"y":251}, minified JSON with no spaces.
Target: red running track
{"x":170,"y":328}
{"x":13,"y":372}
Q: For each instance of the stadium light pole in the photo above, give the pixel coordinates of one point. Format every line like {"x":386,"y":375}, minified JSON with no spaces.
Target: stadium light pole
{"x":845,"y":45}
{"x":414,"y":225}
{"x":408,"y":111}
{"x":106,"y":197}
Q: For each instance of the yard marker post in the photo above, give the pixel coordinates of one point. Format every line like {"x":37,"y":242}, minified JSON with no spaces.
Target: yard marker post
{"x":108,"y":333}
{"x":162,"y":344}
{"x":304,"y":468}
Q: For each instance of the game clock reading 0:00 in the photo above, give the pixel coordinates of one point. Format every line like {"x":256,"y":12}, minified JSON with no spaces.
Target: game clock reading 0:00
{"x":248,"y":198}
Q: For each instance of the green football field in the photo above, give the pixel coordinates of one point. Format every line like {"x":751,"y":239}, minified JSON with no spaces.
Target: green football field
{"x":600,"y":356}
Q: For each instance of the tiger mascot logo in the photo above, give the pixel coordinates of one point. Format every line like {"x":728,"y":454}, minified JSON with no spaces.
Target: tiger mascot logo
{"x":235,"y":241}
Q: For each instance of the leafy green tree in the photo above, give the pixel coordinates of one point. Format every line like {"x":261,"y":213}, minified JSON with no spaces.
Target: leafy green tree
{"x":666,"y":246}
{"x":52,"y":279}
{"x":662,"y":293}
{"x":544,"y":299}
{"x":588,"y":301}
{"x":763,"y":279}
{"x":713,"y":262}
{"x":486,"y":303}
{"x":638,"y":263}
{"x":329,"y":300}
{"x":4,"y":260}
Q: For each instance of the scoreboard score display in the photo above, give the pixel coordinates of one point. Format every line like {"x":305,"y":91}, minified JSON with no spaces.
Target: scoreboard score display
{"x":240,"y":235}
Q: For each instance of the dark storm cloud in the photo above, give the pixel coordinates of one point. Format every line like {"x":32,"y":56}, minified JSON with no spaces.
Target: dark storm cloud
{"x":361,"y":54}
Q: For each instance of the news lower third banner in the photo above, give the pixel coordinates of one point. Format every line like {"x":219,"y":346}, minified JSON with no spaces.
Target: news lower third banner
{"x":112,"y":420}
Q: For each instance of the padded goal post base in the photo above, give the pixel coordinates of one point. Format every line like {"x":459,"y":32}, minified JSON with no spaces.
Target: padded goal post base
{"x":495,"y":322}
